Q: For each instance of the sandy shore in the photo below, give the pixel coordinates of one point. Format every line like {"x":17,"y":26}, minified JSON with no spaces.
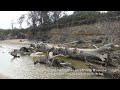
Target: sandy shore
{"x":17,"y":41}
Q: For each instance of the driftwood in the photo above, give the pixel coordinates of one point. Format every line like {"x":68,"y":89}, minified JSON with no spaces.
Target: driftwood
{"x":14,"y":53}
{"x":50,"y":60}
{"x":97,"y":55}
{"x":108,"y":72}
{"x":22,"y":51}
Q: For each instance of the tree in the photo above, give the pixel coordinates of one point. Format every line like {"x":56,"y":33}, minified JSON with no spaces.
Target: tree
{"x":44,"y":17}
{"x":21,"y":19}
{"x":113,"y":13}
{"x":37,"y":18}
{"x":12,"y":24}
{"x":32,"y":18}
{"x":56,"y":15}
{"x":87,"y":14}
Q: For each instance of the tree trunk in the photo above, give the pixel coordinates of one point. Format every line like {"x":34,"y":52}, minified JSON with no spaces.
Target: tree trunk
{"x":99,"y":55}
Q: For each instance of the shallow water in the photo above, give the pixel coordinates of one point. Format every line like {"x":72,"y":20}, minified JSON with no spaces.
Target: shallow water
{"x":23,"y":67}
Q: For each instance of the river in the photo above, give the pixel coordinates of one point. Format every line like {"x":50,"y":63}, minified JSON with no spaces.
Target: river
{"x":23,"y":67}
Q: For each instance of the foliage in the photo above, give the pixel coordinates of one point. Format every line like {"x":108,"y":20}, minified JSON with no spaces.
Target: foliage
{"x":43,"y":20}
{"x":21,"y":19}
{"x":80,"y":15}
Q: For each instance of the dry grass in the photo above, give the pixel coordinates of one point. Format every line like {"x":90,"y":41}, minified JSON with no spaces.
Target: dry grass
{"x":87,"y":32}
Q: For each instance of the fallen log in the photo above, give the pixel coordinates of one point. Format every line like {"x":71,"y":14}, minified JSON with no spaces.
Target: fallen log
{"x":107,"y":72}
{"x":94,"y":55}
{"x":112,"y":73}
{"x":50,"y":60}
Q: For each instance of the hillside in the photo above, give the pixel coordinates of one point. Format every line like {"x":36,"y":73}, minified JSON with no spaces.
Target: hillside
{"x":106,"y":31}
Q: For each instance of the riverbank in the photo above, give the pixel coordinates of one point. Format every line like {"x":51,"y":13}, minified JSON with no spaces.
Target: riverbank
{"x":23,"y":67}
{"x":17,"y":41}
